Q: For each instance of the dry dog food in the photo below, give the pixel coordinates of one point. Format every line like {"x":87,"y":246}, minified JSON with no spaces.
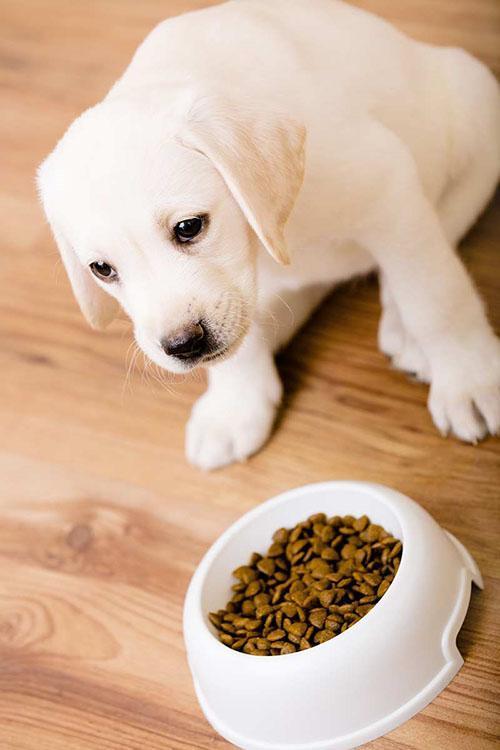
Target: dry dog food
{"x":315,"y":581}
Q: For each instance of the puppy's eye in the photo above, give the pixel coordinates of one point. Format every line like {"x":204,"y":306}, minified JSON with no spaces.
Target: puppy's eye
{"x":103,"y":271}
{"x":188,"y":229}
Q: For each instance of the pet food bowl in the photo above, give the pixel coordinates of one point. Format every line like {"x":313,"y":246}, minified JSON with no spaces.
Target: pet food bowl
{"x":362,"y":683}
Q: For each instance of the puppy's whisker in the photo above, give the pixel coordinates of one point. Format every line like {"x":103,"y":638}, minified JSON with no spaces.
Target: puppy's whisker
{"x":131,"y":364}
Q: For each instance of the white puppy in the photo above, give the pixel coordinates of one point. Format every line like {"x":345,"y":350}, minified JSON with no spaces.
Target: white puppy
{"x":253,"y":155}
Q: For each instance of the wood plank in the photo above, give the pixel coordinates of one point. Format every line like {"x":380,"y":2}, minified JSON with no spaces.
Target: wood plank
{"x":103,"y":521}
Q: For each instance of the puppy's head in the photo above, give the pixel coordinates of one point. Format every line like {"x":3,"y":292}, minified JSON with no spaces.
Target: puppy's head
{"x":160,"y":212}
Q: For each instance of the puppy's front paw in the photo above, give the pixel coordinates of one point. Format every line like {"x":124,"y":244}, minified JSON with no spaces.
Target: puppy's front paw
{"x":224,"y":428}
{"x":466,"y":400}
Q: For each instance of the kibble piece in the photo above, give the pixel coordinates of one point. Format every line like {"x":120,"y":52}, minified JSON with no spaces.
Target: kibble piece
{"x":323,"y":635}
{"x":266,"y":566}
{"x":261,"y":599}
{"x":245,"y":573}
{"x":248,"y":608}
{"x":280,"y":536}
{"x":252,"y":589}
{"x":276,"y":635}
{"x":238,"y":645}
{"x":383,"y":588}
{"x":348,"y":551}
{"x":215,"y":619}
{"x":360,"y":524}
{"x":275,"y":550}
{"x":263,"y":610}
{"x":395,"y":550}
{"x":317,"y":617}
{"x":297,"y":628}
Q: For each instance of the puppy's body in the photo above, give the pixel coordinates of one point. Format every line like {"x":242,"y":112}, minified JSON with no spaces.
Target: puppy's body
{"x":402,"y":153}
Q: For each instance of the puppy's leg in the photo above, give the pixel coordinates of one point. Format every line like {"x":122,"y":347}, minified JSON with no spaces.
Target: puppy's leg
{"x":439,"y":306}
{"x":395,"y":342}
{"x":235,"y":416}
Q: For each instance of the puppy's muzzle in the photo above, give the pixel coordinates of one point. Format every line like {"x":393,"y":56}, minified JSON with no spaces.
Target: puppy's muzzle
{"x":188,"y":343}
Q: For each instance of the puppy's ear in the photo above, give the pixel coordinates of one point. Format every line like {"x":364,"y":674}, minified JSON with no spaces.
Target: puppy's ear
{"x":98,"y":308}
{"x":259,"y":154}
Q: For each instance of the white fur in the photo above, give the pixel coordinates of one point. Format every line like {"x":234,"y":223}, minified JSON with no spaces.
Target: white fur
{"x":313,"y":131}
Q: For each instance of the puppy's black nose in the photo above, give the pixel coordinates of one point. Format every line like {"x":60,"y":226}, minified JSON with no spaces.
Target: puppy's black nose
{"x":186,"y":343}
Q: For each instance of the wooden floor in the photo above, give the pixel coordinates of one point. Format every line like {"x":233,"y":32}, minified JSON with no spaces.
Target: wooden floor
{"x":102,"y":521}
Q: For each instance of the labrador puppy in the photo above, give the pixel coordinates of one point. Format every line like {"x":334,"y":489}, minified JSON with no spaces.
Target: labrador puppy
{"x":253,"y":155}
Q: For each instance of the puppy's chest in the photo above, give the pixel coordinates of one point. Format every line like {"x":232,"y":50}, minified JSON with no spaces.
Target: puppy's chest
{"x":320,"y":261}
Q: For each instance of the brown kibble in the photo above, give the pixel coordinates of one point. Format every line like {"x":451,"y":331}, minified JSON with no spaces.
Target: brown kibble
{"x":362,"y":610}
{"x":276,"y":635}
{"x":348,"y":551}
{"x":215,"y":619}
{"x":245,"y":573}
{"x":329,"y":554}
{"x":248,"y":608}
{"x":321,"y":569}
{"x":275,"y":550}
{"x":344,"y":582}
{"x":333,"y":622}
{"x":346,"y":530}
{"x":252,"y":589}
{"x":280,"y":536}
{"x":301,"y":613}
{"x":323,"y":635}
{"x":254,"y":559}
{"x":388,"y":541}
{"x":373,"y":533}
{"x":383,"y":588}
{"x":237,"y":645}
{"x":261,"y":599}
{"x":298,"y":597}
{"x":294,"y":535}
{"x":316,"y":581}
{"x":266,"y":566}
{"x":252,"y":624}
{"x":263,"y":611}
{"x":289,"y":609}
{"x":372,"y":578}
{"x":326,"y":597}
{"x":395,"y":550}
{"x":360,"y":524}
{"x":297,"y":628}
{"x":359,"y":556}
{"x":299,"y":545}
{"x":317,"y":617}
{"x":262,"y":643}
{"x":366,"y":589}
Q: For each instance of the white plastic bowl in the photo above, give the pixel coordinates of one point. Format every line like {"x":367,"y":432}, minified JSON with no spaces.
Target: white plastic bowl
{"x":362,"y":683}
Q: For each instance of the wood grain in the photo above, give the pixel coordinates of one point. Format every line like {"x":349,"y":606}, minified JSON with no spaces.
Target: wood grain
{"x":102,"y":521}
